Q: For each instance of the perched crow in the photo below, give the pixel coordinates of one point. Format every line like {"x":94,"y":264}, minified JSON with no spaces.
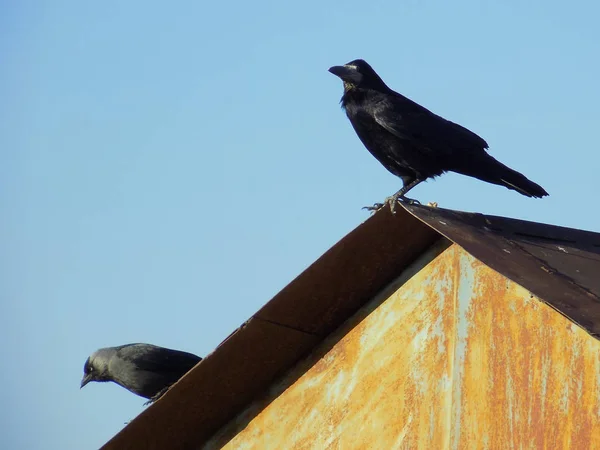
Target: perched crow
{"x":144,"y":369}
{"x":412,"y":142}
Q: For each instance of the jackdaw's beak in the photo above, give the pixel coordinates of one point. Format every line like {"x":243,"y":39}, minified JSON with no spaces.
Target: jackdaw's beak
{"x":86,"y":379}
{"x":347,"y":73}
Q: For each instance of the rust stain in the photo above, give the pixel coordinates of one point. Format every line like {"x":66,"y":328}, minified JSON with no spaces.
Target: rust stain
{"x":458,"y":357}
{"x":531,"y":377}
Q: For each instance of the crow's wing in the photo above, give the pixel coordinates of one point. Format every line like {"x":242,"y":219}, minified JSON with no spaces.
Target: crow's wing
{"x":410,"y":121}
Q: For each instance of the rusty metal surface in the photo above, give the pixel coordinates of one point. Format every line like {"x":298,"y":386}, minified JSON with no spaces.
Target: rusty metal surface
{"x":456,"y":356}
{"x":559,"y":265}
{"x":526,"y":377}
{"x":382,"y":381}
{"x":313,"y":305}
{"x":342,"y":281}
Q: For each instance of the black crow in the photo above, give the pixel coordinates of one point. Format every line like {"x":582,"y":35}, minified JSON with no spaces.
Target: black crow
{"x":144,"y":369}
{"x":412,"y":142}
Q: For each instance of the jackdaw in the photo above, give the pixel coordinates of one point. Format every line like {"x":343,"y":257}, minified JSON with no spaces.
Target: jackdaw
{"x":412,"y":142}
{"x":144,"y":369}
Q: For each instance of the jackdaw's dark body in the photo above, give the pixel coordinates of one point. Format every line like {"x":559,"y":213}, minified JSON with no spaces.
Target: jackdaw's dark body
{"x":144,"y":369}
{"x":412,"y":142}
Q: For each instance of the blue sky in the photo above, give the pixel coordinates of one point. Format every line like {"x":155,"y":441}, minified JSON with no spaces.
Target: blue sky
{"x":165,"y":170}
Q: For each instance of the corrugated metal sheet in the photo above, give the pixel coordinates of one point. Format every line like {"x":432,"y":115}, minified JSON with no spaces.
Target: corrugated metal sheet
{"x":559,"y":265}
{"x":457,"y":357}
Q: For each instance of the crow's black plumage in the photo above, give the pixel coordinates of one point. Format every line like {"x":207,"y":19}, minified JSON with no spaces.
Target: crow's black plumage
{"x":144,"y":369}
{"x":412,"y":142}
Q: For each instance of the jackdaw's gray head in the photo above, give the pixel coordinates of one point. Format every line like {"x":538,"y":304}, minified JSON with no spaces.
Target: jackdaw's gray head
{"x":96,"y":366}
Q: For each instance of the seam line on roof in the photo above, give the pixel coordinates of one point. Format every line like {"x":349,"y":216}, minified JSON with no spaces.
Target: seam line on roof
{"x":286,"y":326}
{"x":548,"y":268}
{"x":574,"y":255}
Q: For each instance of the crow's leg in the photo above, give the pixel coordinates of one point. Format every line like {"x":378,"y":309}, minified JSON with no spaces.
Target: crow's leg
{"x":409,"y":183}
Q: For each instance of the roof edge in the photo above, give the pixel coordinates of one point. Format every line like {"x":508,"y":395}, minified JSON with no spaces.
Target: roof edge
{"x":282,"y":332}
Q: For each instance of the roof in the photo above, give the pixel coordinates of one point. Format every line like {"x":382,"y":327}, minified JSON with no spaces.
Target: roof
{"x":558,"y":265}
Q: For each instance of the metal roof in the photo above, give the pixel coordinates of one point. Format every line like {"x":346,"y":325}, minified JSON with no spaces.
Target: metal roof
{"x":559,"y":265}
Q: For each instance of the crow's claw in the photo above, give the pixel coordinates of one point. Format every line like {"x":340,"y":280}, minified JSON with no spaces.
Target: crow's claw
{"x":391,"y":201}
{"x":410,"y":201}
{"x":376,"y":207}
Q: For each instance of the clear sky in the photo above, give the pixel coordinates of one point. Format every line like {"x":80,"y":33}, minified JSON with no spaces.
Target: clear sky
{"x":165,"y":169}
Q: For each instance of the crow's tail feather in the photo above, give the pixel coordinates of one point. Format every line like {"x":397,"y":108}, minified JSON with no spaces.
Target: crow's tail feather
{"x":493,"y":171}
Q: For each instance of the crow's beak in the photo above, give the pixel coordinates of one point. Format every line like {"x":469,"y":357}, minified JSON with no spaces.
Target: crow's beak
{"x":86,"y":379}
{"x":346,"y":73}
